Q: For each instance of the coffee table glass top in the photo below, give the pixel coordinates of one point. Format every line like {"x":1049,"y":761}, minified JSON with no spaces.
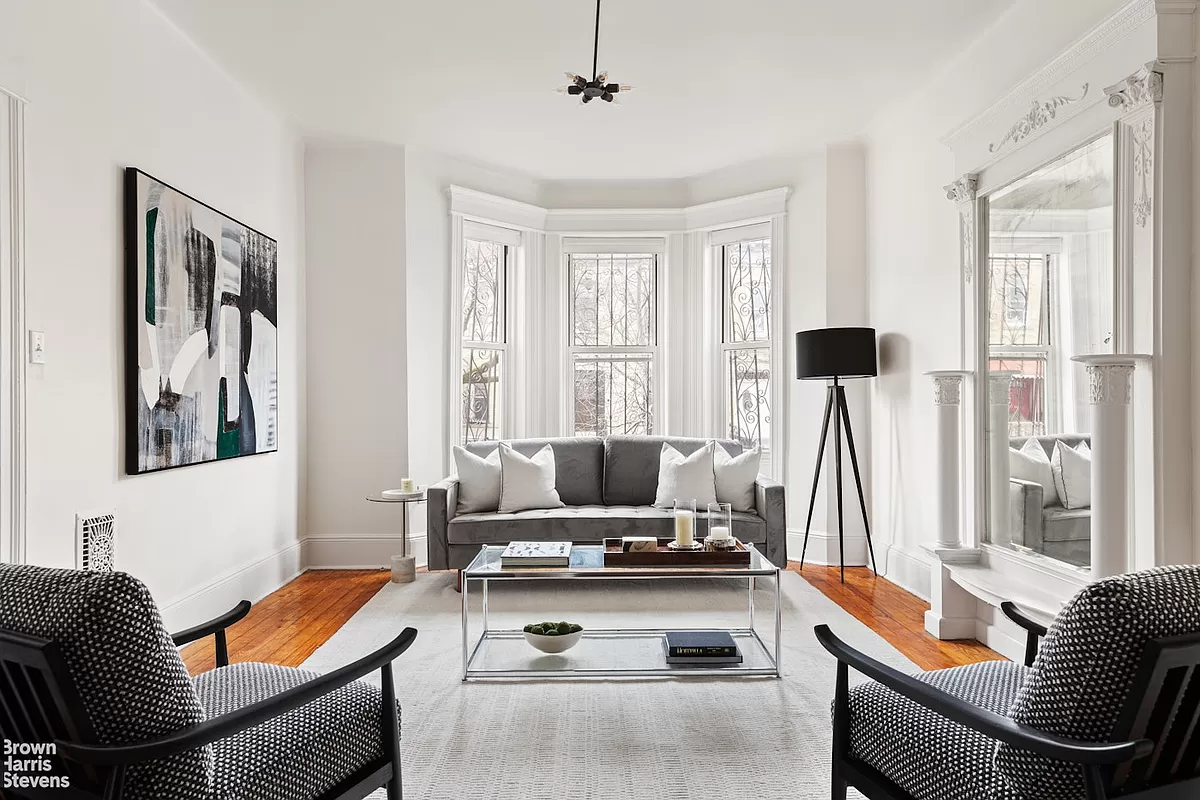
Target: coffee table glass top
{"x":587,"y":561}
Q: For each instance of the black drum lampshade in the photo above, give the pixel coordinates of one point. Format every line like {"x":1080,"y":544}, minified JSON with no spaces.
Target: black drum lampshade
{"x":836,"y":353}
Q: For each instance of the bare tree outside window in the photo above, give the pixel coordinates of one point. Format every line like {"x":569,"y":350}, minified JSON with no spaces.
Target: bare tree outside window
{"x":485,"y":265}
{"x":613,"y":338}
{"x":746,"y":304}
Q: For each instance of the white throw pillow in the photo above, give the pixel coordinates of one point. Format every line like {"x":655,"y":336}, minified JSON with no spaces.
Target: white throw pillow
{"x":478,"y":481}
{"x":1031,"y":463}
{"x":690,"y":478}
{"x":527,"y":482}
{"x":735,"y":477}
{"x":1073,"y":474}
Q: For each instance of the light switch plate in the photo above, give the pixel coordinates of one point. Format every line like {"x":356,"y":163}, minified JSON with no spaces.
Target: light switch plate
{"x":37,"y":347}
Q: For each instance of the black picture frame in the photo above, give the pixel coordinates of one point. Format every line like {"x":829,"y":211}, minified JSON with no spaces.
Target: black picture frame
{"x":262,"y":298}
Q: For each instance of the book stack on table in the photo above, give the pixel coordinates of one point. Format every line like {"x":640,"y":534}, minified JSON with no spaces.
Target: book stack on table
{"x":701,"y":649}
{"x":535,"y":554}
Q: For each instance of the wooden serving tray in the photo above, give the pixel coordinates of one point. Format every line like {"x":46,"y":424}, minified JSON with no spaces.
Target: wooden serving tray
{"x":665,"y":557}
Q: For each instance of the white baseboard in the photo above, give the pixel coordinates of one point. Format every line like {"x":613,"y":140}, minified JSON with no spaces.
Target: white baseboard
{"x":823,"y":548}
{"x":907,"y":570}
{"x":994,"y":637}
{"x":360,"y":552}
{"x":252,"y":582}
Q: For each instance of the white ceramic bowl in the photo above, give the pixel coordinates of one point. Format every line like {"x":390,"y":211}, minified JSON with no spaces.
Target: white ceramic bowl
{"x":554,"y":644}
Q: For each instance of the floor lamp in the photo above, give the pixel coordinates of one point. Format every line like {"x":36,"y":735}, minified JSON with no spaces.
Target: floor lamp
{"x":837,"y":353}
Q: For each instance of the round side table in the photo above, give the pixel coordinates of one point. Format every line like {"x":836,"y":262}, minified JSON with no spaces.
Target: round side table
{"x":404,"y":566}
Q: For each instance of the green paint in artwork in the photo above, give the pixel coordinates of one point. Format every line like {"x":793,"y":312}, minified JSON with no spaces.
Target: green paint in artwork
{"x":151,"y":301}
{"x":228,"y":441}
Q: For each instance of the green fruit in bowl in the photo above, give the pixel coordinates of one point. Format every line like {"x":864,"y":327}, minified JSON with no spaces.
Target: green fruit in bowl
{"x":528,"y":629}
{"x":536,"y":630}
{"x":575,"y":628}
{"x":550,"y":632}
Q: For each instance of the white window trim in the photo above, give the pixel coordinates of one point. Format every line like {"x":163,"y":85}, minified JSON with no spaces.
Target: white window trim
{"x":12,"y":329}
{"x":615,"y":246}
{"x":774,"y":449}
{"x":463,"y":229}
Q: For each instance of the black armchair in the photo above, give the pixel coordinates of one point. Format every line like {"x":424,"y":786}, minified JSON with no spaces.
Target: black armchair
{"x":1110,"y":707}
{"x":86,"y":664}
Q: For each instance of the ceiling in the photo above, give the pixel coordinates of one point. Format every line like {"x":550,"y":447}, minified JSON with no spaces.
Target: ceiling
{"x":717,"y":82}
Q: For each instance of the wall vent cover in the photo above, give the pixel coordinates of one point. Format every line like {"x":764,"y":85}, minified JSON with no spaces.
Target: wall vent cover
{"x":96,"y":542}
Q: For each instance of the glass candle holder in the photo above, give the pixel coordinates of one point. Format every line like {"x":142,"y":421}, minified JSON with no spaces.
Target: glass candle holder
{"x":720,"y":526}
{"x":685,"y":523}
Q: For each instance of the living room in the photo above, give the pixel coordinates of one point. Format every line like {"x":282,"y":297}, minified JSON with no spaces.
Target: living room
{"x":973,"y":224}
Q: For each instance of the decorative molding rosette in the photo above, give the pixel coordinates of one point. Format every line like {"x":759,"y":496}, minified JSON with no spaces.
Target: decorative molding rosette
{"x":999,"y":386}
{"x":947,"y":390}
{"x":1111,"y":384}
{"x":1040,"y":114}
{"x":1140,"y":89}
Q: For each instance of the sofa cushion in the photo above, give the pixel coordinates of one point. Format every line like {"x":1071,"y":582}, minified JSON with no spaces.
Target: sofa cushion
{"x":129,"y":675}
{"x":1066,"y":524}
{"x":578,"y":465}
{"x":584,"y":525}
{"x":631,"y":466}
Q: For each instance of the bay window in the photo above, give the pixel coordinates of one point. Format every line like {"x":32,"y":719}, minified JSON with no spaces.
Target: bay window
{"x":744,"y":259}
{"x":487,"y":258}
{"x":612,"y":342}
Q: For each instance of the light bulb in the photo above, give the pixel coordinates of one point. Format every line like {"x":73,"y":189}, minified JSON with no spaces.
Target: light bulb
{"x":625,"y":87}
{"x":602,"y":78}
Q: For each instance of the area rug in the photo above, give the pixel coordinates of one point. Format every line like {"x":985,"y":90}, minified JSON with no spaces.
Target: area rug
{"x":670,"y":738}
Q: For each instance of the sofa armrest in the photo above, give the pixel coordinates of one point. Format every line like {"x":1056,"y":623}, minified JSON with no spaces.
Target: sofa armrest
{"x":441,"y":503}
{"x":1025,"y":511}
{"x":769,"y":503}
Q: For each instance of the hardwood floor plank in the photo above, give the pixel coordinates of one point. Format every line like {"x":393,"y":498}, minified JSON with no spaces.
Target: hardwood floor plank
{"x":287,"y":626}
{"x":893,"y":613}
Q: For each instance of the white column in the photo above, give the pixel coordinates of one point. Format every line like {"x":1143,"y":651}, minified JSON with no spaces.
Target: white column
{"x":1111,"y":389}
{"x":947,"y":399}
{"x":999,"y":531}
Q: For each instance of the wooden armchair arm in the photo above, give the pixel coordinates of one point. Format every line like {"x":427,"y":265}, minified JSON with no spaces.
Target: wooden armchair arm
{"x":215,"y":627}
{"x":1033,"y":629}
{"x":995,"y":726}
{"x":226,"y":725}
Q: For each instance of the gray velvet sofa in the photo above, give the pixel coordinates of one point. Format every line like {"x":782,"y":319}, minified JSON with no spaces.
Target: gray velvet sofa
{"x":608,"y":486}
{"x":1061,"y":533}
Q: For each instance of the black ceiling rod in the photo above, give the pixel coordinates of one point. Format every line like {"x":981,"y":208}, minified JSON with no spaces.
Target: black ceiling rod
{"x":596,"y":45}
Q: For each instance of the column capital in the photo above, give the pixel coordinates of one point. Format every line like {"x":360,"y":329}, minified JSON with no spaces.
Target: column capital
{"x":999,"y":384}
{"x":1140,"y":89}
{"x":963,"y":190}
{"x":947,"y":386}
{"x":1110,"y":377}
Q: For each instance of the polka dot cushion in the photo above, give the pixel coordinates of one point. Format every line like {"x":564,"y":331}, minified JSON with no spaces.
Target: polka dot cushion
{"x":924,"y":753}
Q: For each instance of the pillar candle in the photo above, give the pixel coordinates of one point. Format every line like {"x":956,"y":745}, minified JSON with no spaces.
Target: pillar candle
{"x":685,"y":528}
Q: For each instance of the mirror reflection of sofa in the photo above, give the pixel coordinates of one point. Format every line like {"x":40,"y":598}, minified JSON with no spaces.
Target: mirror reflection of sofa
{"x":1060,"y":533}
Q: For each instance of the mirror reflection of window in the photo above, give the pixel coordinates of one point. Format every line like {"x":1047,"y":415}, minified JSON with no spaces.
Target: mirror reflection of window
{"x":1050,"y":296}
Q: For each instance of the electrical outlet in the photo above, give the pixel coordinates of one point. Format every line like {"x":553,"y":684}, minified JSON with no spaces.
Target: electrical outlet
{"x":37,"y":347}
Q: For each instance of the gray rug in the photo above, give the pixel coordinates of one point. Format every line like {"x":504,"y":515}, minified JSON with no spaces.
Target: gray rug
{"x":674,"y":738}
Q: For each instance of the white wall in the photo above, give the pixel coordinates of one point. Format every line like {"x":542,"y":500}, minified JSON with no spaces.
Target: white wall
{"x":357,"y":351}
{"x":913,"y":256}
{"x":113,"y":84}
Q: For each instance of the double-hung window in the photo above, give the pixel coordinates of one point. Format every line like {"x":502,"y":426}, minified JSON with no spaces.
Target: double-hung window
{"x":1019,"y":339}
{"x":612,"y":340}
{"x":487,"y":258}
{"x":744,"y":259}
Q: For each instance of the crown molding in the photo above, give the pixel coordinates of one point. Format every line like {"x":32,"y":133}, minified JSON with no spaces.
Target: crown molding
{"x":483,"y":207}
{"x":498,"y":210}
{"x":1176,"y":6}
{"x":1108,"y":33}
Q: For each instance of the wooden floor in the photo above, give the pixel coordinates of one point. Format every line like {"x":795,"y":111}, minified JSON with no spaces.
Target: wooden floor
{"x":287,"y":626}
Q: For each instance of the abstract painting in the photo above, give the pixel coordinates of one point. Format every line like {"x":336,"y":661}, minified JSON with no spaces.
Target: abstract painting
{"x":202,"y":330}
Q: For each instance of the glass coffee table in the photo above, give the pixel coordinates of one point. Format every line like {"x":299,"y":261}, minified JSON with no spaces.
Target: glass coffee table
{"x":612,"y":652}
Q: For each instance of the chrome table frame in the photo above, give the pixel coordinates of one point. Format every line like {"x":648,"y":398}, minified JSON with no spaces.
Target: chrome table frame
{"x":475,"y":574}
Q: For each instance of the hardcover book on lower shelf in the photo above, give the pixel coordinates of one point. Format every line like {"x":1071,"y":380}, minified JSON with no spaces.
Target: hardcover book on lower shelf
{"x":701,"y":648}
